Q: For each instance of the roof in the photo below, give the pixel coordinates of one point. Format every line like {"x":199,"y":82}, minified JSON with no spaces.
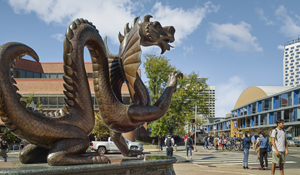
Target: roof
{"x":257,"y":92}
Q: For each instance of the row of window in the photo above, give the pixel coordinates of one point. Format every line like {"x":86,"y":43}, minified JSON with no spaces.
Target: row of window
{"x":19,"y":73}
{"x":55,"y":102}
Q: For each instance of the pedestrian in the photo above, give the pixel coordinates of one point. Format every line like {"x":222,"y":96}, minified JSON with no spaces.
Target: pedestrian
{"x":246,"y":143}
{"x":253,"y":141}
{"x":169,"y":142}
{"x":279,"y":146}
{"x":221,"y":143}
{"x":188,"y":146}
{"x":263,"y":143}
{"x":209,"y":140}
{"x":205,"y":142}
{"x":3,"y":148}
{"x":160,"y":141}
{"x":216,"y":140}
{"x":257,"y":149}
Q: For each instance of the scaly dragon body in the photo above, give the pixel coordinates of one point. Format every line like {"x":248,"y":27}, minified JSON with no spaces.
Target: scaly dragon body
{"x":64,"y":140}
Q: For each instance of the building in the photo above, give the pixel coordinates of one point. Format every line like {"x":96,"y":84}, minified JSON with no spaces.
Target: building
{"x":291,"y":63}
{"x":258,"y":108}
{"x":46,"y":82}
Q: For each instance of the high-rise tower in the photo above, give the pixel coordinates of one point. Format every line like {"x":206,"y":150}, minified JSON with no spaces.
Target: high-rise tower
{"x":291,"y":63}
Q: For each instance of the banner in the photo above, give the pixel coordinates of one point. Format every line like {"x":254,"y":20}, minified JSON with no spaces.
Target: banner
{"x":235,"y":124}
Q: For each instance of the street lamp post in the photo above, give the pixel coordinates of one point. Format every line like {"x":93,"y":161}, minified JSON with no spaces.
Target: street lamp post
{"x":195,"y":149}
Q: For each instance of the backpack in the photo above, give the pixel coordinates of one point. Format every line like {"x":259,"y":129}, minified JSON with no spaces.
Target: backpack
{"x":169,"y":142}
{"x":3,"y":144}
{"x":189,"y":141}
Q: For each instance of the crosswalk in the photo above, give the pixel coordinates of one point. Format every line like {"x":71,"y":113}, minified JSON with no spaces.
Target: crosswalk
{"x":230,"y":158}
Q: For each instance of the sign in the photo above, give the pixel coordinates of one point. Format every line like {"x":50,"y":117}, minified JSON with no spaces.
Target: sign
{"x":235,"y":124}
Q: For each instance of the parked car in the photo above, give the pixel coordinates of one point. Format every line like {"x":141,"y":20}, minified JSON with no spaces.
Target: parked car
{"x":104,"y":146}
{"x":292,"y":141}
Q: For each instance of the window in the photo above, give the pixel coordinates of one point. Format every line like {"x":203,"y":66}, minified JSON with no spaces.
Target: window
{"x":287,"y":81}
{"x":292,"y":73}
{"x":286,"y":55}
{"x":263,"y":119}
{"x":297,"y":76}
{"x":287,"y":62}
{"x":292,"y":61}
{"x":52,"y":75}
{"x":291,"y":83}
{"x":288,"y":48}
{"x":292,"y":54}
{"x":60,"y":75}
{"x":292,"y":47}
{"x":291,"y":70}
{"x":292,"y":79}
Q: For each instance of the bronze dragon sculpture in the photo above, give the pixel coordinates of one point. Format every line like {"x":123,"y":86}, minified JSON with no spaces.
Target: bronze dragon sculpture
{"x":63,"y":140}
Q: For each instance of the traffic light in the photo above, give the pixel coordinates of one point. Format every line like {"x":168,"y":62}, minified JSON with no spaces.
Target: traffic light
{"x":192,"y":120}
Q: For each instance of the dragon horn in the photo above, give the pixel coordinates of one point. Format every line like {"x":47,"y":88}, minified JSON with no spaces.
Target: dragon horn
{"x":147,"y":18}
{"x":127,"y":29}
{"x":135,"y":20}
{"x":121,"y":37}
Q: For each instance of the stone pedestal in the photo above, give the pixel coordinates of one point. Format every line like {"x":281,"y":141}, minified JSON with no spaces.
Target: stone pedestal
{"x":160,"y":165}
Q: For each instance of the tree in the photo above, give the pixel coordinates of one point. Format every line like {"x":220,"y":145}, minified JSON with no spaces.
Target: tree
{"x":191,"y":91}
{"x":100,"y":129}
{"x":157,"y":69}
{"x":29,"y":100}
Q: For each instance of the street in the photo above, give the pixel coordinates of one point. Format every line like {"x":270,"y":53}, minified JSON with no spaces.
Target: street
{"x":213,"y":161}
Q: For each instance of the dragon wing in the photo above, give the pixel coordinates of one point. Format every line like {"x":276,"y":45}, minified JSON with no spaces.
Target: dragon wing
{"x":124,"y":66}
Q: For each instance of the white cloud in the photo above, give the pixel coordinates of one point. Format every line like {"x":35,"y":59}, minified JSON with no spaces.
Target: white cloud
{"x":184,"y":21}
{"x":188,"y":49}
{"x":280,"y":47}
{"x":236,"y":37}
{"x":109,"y":17}
{"x":289,"y":27}
{"x":58,"y":36}
{"x":227,"y":94}
{"x":262,"y":17}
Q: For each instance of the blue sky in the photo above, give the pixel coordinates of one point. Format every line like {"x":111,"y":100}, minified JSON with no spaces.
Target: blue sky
{"x":236,"y":44}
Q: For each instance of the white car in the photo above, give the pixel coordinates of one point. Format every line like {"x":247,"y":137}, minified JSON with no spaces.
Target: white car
{"x":109,"y":146}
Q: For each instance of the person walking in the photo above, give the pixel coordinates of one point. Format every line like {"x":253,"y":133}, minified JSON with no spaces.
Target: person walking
{"x":221,"y":143}
{"x":160,"y":141}
{"x":279,"y":146}
{"x":263,"y":143}
{"x":169,"y":142}
{"x":188,"y":146}
{"x":3,"y":148}
{"x":253,"y":141}
{"x":216,"y":140}
{"x":246,"y":143}
{"x":205,"y":142}
{"x":209,"y":140}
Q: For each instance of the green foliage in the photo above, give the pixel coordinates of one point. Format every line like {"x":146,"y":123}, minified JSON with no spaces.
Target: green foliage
{"x":100,"y":129}
{"x":159,"y":126}
{"x":29,"y":100}
{"x":12,"y":138}
{"x":157,"y":69}
{"x":191,"y":91}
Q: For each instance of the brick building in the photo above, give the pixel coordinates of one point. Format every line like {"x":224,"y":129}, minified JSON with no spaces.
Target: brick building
{"x":45,"y":81}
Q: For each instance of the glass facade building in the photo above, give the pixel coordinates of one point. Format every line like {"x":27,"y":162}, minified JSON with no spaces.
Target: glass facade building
{"x":291,"y":63}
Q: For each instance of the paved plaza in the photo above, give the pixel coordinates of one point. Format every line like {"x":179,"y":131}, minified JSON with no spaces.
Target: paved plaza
{"x":210,"y":162}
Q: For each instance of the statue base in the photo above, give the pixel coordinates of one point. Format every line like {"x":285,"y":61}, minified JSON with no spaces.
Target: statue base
{"x":151,"y":164}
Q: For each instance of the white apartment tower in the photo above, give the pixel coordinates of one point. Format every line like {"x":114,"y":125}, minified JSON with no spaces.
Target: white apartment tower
{"x":291,"y":63}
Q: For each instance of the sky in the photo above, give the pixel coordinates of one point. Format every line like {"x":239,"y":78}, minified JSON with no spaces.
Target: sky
{"x":235,"y":44}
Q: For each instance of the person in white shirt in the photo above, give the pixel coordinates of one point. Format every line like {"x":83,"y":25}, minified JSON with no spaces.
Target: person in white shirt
{"x":169,"y":142}
{"x":279,"y":146}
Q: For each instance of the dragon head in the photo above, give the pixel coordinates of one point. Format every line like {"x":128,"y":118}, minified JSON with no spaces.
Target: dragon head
{"x":152,"y":33}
